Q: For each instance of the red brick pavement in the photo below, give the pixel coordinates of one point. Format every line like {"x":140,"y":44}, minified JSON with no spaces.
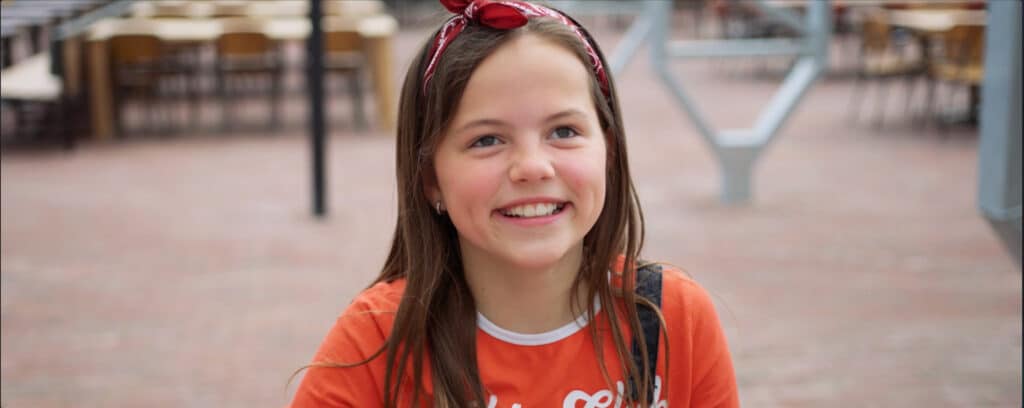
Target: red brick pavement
{"x":187,"y":270}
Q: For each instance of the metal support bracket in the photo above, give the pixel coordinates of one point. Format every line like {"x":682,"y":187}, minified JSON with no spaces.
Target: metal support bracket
{"x":737,"y":150}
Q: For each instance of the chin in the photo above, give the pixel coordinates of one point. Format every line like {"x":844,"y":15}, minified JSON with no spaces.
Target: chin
{"x":538,"y":257}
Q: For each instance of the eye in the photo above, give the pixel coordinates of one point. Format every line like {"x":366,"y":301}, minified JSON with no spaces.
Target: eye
{"x":564,"y":132}
{"x":486,"y":141}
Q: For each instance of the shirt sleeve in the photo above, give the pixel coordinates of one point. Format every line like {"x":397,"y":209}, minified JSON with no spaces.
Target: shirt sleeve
{"x":356,"y":336}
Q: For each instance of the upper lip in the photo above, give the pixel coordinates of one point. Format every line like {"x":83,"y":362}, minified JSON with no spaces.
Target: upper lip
{"x":532,"y":200}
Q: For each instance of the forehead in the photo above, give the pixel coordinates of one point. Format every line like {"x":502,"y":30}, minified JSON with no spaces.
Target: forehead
{"x":523,"y":81}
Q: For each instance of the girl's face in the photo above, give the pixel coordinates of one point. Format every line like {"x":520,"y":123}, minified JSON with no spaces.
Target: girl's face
{"x":521,"y":169}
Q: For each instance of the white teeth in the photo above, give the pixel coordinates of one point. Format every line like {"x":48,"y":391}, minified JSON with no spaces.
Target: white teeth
{"x":532,"y":210}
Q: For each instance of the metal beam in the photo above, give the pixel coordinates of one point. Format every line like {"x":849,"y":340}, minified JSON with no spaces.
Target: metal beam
{"x":736,"y":48}
{"x":631,"y":42}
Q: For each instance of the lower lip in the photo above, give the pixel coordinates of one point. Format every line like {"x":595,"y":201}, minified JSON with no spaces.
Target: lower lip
{"x":533,"y":221}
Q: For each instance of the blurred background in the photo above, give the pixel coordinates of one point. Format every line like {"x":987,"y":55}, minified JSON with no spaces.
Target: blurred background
{"x":842,"y":176}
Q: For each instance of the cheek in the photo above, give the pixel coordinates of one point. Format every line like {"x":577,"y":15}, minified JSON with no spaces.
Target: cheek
{"x":469,"y":187}
{"x":586,"y":176}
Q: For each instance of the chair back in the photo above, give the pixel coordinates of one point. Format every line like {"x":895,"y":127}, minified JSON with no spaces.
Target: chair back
{"x":875,"y":32}
{"x":343,"y":41}
{"x":964,"y":45}
{"x":131,"y":49}
{"x":243,"y":37}
{"x":243,"y":44}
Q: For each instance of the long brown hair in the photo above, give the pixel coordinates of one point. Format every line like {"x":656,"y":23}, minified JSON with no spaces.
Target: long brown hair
{"x":436,"y":317}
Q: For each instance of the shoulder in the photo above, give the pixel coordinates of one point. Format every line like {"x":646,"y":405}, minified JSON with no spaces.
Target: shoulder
{"x":677,"y":284}
{"x":382,"y":295}
{"x":684,"y":302}
{"x":366,"y":323}
{"x":378,"y":304}
{"x":346,"y":370}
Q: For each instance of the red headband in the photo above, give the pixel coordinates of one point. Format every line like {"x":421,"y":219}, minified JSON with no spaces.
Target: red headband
{"x":502,"y":15}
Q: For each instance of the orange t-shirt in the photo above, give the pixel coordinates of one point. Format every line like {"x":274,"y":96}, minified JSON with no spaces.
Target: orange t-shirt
{"x":557,"y":368}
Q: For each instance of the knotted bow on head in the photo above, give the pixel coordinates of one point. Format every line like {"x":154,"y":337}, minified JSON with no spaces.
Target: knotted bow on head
{"x":501,"y":15}
{"x":491,"y":14}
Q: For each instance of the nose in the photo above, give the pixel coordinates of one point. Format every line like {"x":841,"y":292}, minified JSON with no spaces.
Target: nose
{"x":530,"y":163}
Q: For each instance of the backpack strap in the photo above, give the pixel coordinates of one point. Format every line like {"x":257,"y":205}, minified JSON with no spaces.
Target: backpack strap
{"x":648,"y":286}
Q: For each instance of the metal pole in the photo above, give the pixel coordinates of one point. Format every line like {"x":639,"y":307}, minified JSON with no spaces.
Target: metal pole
{"x":315,"y":45}
{"x":999,"y":151}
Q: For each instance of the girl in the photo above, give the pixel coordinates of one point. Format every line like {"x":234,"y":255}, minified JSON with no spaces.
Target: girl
{"x":512,"y":280}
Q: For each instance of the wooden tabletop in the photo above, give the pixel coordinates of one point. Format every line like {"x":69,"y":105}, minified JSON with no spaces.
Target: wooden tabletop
{"x":264,"y":8}
{"x":869,"y":3}
{"x":936,"y":20}
{"x":202,"y":30}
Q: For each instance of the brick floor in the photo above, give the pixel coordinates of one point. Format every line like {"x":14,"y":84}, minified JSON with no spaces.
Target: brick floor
{"x":187,"y":270}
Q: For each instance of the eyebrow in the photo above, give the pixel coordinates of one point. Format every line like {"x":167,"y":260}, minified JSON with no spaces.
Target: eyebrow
{"x":497,"y":122}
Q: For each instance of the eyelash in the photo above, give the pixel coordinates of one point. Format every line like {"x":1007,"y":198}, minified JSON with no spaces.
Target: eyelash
{"x":569,"y":128}
{"x":477,"y":142}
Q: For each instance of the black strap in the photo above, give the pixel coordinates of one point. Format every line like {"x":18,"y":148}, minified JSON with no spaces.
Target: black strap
{"x":648,"y":286}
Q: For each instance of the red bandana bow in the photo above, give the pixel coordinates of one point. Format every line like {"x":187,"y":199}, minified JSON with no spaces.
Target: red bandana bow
{"x":501,"y":15}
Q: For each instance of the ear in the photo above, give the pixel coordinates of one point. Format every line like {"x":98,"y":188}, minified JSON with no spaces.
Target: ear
{"x":430,"y":187}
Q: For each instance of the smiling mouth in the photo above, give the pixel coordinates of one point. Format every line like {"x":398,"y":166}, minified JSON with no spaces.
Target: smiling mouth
{"x":533,"y":210}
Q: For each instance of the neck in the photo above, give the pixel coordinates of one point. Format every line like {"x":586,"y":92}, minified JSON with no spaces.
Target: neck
{"x":526,"y":299}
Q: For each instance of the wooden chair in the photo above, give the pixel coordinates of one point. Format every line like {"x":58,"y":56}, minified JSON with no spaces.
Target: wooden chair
{"x":880,"y":61}
{"x":961,"y":63}
{"x":344,"y":55}
{"x":185,"y":56}
{"x":136,"y":62}
{"x":245,"y":56}
{"x":145,"y":68}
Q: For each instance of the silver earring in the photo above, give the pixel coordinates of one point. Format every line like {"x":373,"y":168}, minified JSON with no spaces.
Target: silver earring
{"x":437,"y":207}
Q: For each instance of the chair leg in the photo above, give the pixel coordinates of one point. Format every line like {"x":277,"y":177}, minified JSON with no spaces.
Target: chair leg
{"x":225,"y":105}
{"x":856,"y":97}
{"x":119,"y":115}
{"x":155,"y":125}
{"x":356,"y":89}
{"x":883,"y":88}
{"x":164,"y":110}
{"x":191,"y":89}
{"x":64,"y":126}
{"x":275,"y":99}
{"x":929,"y":102}
{"x":911,"y":85}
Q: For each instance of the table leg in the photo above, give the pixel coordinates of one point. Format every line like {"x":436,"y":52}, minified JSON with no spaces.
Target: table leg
{"x":379,"y":50}
{"x":5,"y":52}
{"x":973,"y":114}
{"x":101,"y":95}
{"x":72,"y":66}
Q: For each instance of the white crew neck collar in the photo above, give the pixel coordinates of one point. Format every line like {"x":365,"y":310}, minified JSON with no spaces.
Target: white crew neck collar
{"x":535,"y":339}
